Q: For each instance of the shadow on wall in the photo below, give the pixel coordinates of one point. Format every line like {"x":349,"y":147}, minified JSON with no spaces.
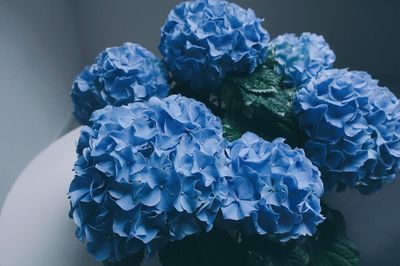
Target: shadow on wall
{"x":361,"y":32}
{"x":40,"y":54}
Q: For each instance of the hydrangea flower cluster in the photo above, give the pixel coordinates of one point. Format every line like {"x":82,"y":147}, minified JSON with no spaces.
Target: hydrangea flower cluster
{"x":274,"y":190}
{"x":120,"y":75}
{"x":298,"y":59}
{"x":147,"y":173}
{"x":154,"y":172}
{"x":353,"y":127}
{"x":151,"y":170}
{"x":202,"y":41}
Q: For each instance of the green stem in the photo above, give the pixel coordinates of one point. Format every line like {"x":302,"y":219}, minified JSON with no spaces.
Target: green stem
{"x":203,"y":252}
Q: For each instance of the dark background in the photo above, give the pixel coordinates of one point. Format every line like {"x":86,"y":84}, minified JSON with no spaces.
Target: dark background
{"x":363,"y":33}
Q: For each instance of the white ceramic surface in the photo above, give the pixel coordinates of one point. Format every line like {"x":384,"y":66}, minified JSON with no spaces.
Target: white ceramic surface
{"x":34,"y":226}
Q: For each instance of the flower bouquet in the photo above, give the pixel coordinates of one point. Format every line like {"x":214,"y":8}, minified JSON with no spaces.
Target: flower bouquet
{"x":230,"y":168}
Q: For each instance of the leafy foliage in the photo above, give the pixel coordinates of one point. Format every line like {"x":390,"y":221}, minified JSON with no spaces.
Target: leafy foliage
{"x":329,"y":247}
{"x":262,"y":104}
{"x":259,"y":102}
{"x":130,"y":261}
{"x":216,"y":248}
{"x":232,"y":129}
{"x":261,"y":251}
{"x":262,"y":92}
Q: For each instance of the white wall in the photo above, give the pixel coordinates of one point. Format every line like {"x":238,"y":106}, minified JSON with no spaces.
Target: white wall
{"x":39,"y":55}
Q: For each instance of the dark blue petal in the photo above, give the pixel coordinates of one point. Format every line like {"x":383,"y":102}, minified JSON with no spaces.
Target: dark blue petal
{"x":349,"y":137}
{"x":203,"y":41}
{"x":120,"y":75}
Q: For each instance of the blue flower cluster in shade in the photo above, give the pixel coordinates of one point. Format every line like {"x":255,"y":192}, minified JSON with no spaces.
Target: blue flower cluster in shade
{"x":274,"y":190}
{"x":120,"y":75}
{"x":146,"y":174}
{"x":202,"y":41}
{"x":154,"y":172}
{"x":353,"y":126}
{"x":298,"y":59}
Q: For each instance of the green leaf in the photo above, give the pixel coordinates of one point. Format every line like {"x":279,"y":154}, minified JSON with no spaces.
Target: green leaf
{"x":232,"y":129}
{"x":135,"y":260}
{"x":330,"y":246}
{"x":261,"y":104}
{"x":263,"y":81}
{"x":298,"y":256}
{"x":341,"y":249}
{"x":216,"y":248}
{"x":261,"y":92}
{"x":337,"y":260}
{"x":254,"y":258}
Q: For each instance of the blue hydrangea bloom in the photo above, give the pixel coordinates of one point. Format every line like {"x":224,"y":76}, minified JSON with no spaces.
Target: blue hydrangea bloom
{"x":298,"y":59}
{"x":353,"y":127}
{"x":120,"y":75}
{"x":147,"y":173}
{"x":202,"y":41}
{"x":274,"y":190}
